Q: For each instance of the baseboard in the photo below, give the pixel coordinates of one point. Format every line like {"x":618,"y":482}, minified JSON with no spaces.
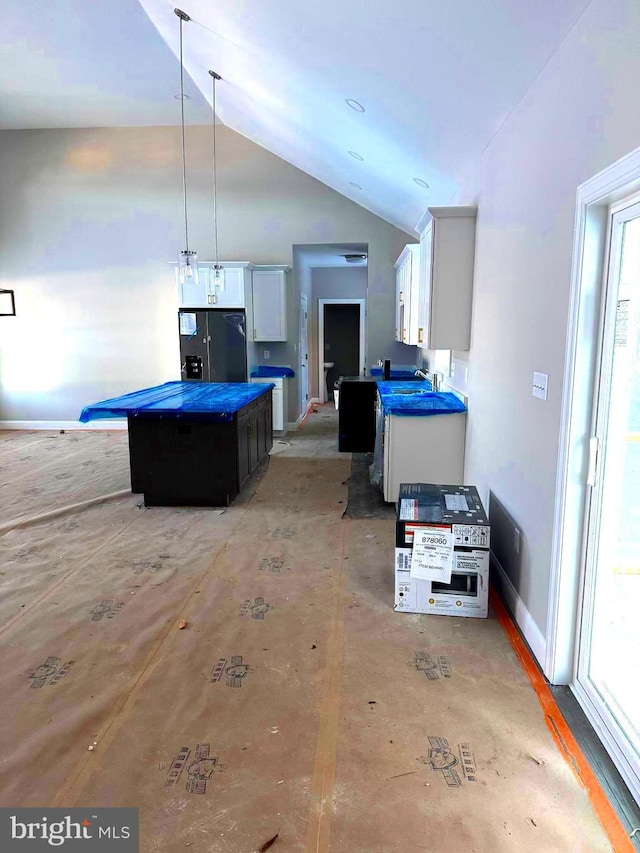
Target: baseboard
{"x":523,"y":619}
{"x":300,"y":418}
{"x":107,"y":423}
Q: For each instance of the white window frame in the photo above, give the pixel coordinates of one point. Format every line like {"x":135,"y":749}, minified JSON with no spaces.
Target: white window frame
{"x":595,"y":199}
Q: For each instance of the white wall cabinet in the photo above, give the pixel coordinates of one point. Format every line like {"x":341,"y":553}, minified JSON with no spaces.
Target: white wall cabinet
{"x":447,"y":241}
{"x":228,"y":290}
{"x":407,"y":269}
{"x":269,"y":290}
{"x":279,"y":401}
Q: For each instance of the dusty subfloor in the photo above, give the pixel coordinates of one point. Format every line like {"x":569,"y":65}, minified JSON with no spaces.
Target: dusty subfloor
{"x":294,"y":702}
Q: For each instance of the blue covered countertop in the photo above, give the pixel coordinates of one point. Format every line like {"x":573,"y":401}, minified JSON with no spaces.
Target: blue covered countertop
{"x":417,"y":399}
{"x":271,"y":371}
{"x":218,"y":401}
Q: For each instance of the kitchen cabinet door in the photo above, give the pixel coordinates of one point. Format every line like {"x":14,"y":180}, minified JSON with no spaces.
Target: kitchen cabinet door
{"x":269,"y":305}
{"x":407,"y":294}
{"x":446,"y":278}
{"x":230,"y":293}
{"x":193,"y":294}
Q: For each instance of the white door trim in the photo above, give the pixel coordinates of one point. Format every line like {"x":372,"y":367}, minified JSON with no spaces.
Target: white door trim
{"x":361,"y":357}
{"x":591,"y":235}
{"x":303,"y":363}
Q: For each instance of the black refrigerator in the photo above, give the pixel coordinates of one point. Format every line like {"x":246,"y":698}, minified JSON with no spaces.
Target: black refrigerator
{"x":213,"y":345}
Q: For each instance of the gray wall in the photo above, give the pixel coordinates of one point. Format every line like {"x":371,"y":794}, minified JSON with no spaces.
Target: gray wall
{"x":581,"y":115}
{"x":91,"y":218}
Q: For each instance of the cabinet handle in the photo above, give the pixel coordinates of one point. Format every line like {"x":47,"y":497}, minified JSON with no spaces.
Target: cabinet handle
{"x":420,"y":335}
{"x":401,"y":299}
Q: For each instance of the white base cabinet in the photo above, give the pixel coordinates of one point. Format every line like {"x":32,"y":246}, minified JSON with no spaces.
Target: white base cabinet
{"x":279,"y":401}
{"x":422,"y":450}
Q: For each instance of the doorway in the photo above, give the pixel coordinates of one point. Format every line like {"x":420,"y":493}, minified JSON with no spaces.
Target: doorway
{"x":341,"y":346}
{"x":609,"y":638}
{"x":593,"y":644}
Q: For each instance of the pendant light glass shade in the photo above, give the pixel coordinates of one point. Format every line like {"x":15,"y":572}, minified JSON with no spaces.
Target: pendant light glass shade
{"x":188,"y":267}
{"x":187,"y":259}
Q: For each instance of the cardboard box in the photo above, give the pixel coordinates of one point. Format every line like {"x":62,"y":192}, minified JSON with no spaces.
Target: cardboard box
{"x":466,"y":595}
{"x":456,"y":509}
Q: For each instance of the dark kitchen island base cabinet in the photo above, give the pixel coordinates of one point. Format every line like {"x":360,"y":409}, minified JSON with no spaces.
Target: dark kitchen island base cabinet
{"x":192,"y":460}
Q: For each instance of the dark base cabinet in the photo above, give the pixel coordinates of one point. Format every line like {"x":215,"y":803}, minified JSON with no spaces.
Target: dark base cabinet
{"x":356,"y":415}
{"x":194,"y":461}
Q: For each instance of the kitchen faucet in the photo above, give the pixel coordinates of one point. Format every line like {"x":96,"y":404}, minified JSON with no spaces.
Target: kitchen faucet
{"x":431,"y":376}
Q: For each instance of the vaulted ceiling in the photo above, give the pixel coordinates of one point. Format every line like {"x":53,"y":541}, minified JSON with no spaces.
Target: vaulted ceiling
{"x":435,"y":80}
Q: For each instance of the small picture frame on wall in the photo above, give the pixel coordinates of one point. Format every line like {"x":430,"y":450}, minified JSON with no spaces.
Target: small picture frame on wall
{"x":7,"y":303}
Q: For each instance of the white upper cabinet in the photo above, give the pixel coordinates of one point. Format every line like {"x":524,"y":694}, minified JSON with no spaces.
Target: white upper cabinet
{"x":407,"y":269}
{"x":269,"y":290}
{"x":447,"y":240}
{"x":226,"y":290}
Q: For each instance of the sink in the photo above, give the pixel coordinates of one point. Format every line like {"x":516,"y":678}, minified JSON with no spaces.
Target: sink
{"x":409,"y":391}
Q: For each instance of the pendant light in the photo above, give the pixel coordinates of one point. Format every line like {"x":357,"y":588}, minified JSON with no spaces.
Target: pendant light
{"x":218,"y":280}
{"x":187,"y":259}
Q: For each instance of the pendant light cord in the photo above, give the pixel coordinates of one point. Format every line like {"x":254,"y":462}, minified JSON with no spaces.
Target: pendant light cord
{"x":215,"y":77}
{"x":184,"y":155}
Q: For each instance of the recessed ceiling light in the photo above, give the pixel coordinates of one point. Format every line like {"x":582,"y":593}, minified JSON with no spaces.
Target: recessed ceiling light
{"x":356,"y":186}
{"x":421,"y":183}
{"x":181,"y":97}
{"x":356,"y":156}
{"x":355,"y":105}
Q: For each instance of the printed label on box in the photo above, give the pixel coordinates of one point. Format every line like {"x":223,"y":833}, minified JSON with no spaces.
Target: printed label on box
{"x":408,"y":509}
{"x":432,"y":555}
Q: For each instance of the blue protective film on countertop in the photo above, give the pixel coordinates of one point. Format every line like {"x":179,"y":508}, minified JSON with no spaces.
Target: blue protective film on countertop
{"x":270,"y":370}
{"x":217,"y":400}
{"x":421,"y":402}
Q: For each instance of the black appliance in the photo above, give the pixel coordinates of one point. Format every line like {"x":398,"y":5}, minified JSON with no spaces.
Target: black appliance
{"x":213,"y":345}
{"x":356,"y":414}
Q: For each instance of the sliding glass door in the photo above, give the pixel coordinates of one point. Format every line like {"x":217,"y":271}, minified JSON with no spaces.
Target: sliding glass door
{"x":608,"y":672}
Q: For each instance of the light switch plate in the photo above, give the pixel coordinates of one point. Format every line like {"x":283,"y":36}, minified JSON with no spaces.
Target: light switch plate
{"x":540,"y":385}
{"x":266,"y":355}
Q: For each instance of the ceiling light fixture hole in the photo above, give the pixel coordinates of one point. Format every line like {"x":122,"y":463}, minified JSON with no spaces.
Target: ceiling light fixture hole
{"x":355,"y":186}
{"x":355,"y":105}
{"x":356,"y":156}
{"x":421,"y":183}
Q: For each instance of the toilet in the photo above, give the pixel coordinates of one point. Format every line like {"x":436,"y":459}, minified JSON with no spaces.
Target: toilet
{"x":327,"y":366}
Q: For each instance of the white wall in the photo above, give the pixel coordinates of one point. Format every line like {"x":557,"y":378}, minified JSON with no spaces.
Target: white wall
{"x":582,"y":114}
{"x":91,"y":218}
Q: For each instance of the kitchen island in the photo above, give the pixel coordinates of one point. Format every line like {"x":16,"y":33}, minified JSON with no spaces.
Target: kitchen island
{"x":192,"y":444}
{"x":420,"y":437}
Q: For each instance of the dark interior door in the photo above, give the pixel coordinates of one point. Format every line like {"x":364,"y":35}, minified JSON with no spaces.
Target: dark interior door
{"x":341,"y":342}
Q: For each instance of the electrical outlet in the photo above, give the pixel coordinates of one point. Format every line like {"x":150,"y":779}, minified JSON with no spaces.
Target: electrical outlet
{"x":516,"y":540}
{"x":266,"y":355}
{"x":540,"y":381}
